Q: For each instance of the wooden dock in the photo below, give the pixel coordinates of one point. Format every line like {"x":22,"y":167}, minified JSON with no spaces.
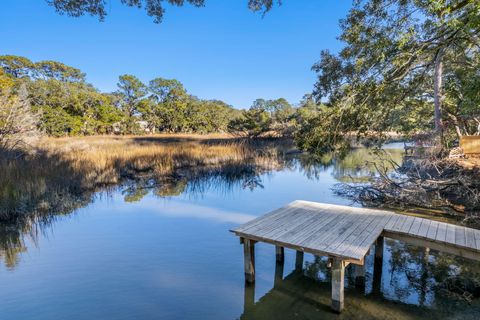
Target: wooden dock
{"x":346,"y":234}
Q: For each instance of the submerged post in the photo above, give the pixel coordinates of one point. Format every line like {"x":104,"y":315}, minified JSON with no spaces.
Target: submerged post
{"x":338,"y":277}
{"x":249,"y":297}
{"x":249,"y":259}
{"x":299,"y":261}
{"x":280,"y":258}
{"x":278,"y":274}
{"x":279,"y":253}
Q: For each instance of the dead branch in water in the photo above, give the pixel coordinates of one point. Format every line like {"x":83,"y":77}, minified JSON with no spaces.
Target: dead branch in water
{"x":437,"y":184}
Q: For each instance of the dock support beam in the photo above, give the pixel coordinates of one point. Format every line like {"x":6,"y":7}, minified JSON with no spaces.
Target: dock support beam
{"x":279,"y":253}
{"x":299,"y":261}
{"x":249,"y":259}
{"x":338,"y":278}
{"x":377,"y":266}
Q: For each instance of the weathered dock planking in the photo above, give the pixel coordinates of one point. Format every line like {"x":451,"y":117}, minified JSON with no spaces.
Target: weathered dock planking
{"x":346,"y":234}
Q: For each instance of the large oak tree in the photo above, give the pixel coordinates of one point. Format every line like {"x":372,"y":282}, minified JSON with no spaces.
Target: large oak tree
{"x":396,"y":59}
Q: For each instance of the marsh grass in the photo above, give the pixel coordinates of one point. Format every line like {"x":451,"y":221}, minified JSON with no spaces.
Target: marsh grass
{"x":61,"y":175}
{"x":42,"y":180}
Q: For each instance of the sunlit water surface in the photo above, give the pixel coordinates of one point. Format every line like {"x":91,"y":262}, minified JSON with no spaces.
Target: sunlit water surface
{"x":174,"y":258}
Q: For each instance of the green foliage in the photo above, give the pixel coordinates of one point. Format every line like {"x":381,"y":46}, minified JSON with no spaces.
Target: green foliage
{"x":170,"y":101}
{"x":275,"y":118}
{"x":131,"y":92}
{"x":166,"y":90}
{"x":21,"y":67}
{"x":307,"y":110}
{"x":383,"y":79}
{"x":206,"y":116}
{"x":462,"y":98}
{"x":70,"y":106}
{"x":154,"y":8}
{"x":16,"y":66}
{"x":253,"y":122}
{"x":169,"y":108}
{"x":58,"y":71}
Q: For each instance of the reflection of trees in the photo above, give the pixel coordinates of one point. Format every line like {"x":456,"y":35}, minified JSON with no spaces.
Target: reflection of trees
{"x":12,"y":244}
{"x":318,"y":269}
{"x":307,"y":295}
{"x":358,"y":165}
{"x":426,"y":276}
{"x":361,"y":164}
{"x":409,"y":273}
{"x":171,"y":188}
{"x":134,"y":193}
{"x":13,"y":233}
{"x":418,"y":284}
{"x":312,"y":166}
{"x":243,"y":176}
{"x":136,"y":190}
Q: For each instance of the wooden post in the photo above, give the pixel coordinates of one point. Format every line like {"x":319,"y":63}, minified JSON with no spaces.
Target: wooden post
{"x":338,"y":277}
{"x":299,"y":261}
{"x":279,"y":253}
{"x":377,"y":266}
{"x":249,"y":259}
{"x":359,"y":276}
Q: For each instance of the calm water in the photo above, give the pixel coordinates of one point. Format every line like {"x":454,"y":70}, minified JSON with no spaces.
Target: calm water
{"x":138,"y":255}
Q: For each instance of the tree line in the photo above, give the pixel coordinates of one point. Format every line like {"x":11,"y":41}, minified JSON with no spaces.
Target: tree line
{"x":67,"y":105}
{"x":406,"y":65}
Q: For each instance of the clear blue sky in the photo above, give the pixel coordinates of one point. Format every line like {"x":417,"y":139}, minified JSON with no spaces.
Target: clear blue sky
{"x":221,"y":51}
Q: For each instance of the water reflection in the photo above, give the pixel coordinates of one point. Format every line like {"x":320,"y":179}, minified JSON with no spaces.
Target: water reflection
{"x":355,"y":166}
{"x":406,"y":287}
{"x":151,"y":225}
{"x":180,"y":209}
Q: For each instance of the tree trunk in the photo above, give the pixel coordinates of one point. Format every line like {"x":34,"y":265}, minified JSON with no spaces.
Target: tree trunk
{"x":437,"y":92}
{"x":456,"y":124}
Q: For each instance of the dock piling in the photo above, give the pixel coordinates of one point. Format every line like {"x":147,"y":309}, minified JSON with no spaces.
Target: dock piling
{"x":338,"y":278}
{"x":249,"y":257}
{"x":278,"y":273}
{"x":345,"y":235}
{"x":279,"y":253}
{"x":299,"y":261}
{"x":378,"y":266}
